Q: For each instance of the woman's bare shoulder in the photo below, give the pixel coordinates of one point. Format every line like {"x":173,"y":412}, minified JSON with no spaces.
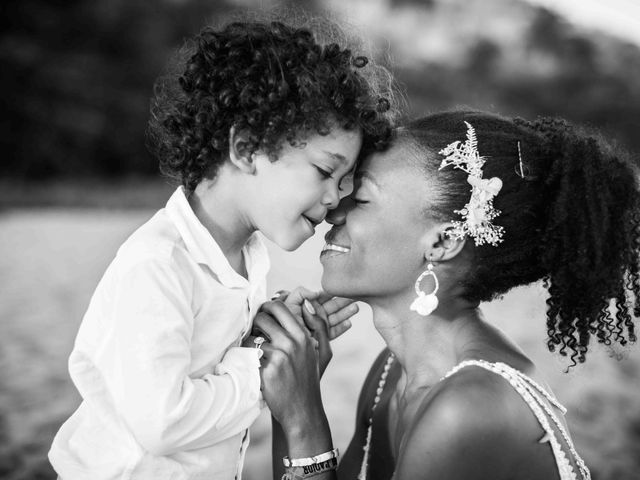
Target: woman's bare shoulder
{"x":462,"y":429}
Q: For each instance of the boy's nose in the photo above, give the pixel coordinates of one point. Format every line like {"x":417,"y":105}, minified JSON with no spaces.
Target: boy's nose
{"x":331,"y":198}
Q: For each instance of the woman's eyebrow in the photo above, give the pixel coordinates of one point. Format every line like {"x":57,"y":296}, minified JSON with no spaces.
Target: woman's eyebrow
{"x":365,"y":175}
{"x":336,"y":156}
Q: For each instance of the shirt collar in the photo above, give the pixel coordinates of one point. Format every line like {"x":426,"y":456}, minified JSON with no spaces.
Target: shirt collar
{"x":205,"y":250}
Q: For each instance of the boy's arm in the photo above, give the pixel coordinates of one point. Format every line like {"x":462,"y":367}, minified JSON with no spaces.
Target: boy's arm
{"x":149,"y":365}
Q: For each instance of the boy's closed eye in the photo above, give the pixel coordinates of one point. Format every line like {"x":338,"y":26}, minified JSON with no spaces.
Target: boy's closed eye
{"x":324,"y":172}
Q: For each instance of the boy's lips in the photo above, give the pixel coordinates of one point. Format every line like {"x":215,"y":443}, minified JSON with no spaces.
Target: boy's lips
{"x":313,"y":223}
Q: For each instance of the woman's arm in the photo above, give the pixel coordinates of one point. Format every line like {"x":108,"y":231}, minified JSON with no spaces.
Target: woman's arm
{"x":291,"y":383}
{"x":351,"y":460}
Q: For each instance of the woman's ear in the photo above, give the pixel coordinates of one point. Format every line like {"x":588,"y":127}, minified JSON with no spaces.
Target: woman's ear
{"x":446,"y":246}
{"x":239,"y":151}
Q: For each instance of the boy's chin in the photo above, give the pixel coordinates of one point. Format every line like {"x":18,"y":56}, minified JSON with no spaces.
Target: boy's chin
{"x":288,"y":244}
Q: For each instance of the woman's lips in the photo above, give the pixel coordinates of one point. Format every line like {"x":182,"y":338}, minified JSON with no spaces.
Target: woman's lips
{"x":332,"y":247}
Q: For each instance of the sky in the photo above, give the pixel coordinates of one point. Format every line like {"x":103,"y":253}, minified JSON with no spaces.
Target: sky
{"x":620,"y":18}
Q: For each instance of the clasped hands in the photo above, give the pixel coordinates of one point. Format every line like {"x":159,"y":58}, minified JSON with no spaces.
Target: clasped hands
{"x":297,"y":327}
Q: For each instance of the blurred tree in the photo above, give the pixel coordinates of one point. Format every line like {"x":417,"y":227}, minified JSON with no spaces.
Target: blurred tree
{"x":555,"y":70}
{"x":483,"y":58}
{"x":78,"y":78}
{"x":413,"y":3}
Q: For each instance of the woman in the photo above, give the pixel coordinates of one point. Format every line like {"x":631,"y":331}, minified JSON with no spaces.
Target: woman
{"x":463,"y":207}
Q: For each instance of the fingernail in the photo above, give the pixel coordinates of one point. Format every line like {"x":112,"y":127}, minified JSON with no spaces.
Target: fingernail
{"x":276,"y":296}
{"x":309,"y":307}
{"x":347,"y":324}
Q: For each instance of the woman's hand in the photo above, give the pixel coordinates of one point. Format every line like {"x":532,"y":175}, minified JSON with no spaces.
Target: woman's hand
{"x":290,"y":368}
{"x":314,"y":318}
{"x":335,"y":311}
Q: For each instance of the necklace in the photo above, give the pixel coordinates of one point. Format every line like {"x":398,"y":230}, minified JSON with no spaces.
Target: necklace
{"x":367,"y":446}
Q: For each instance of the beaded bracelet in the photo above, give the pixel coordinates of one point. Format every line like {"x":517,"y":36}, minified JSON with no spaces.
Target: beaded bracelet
{"x":316,"y":459}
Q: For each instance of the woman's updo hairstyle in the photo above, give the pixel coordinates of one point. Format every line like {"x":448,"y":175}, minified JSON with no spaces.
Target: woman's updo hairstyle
{"x":277,"y":82}
{"x":573,"y":220}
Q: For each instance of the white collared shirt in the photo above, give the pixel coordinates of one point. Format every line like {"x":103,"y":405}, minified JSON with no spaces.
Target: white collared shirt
{"x":168,"y":393}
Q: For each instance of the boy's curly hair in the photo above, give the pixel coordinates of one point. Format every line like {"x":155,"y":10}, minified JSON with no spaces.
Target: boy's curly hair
{"x":573,"y":221}
{"x":273,"y":81}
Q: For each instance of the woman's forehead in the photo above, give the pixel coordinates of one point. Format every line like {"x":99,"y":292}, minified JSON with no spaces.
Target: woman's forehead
{"x":395,"y":161}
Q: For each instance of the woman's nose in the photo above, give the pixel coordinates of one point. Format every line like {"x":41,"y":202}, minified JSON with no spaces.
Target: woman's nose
{"x":338,"y":216}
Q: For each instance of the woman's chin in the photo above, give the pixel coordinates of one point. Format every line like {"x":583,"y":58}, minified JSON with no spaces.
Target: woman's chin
{"x":337,"y":286}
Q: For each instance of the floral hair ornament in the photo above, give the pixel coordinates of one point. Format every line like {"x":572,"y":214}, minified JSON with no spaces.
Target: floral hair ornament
{"x":478,"y":213}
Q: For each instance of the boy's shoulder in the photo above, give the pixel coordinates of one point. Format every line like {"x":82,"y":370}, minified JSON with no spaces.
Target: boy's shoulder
{"x":156,"y":239}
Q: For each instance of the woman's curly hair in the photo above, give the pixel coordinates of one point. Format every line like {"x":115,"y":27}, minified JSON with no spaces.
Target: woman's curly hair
{"x":273,"y":81}
{"x":573,"y":220}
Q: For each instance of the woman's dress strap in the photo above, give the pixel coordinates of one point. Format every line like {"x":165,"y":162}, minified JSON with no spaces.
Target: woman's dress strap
{"x":534,"y":395}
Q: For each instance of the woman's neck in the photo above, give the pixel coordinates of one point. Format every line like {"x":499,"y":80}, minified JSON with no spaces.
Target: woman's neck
{"x":427,"y":347}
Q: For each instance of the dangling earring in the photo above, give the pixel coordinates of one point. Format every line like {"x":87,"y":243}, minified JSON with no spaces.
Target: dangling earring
{"x":425,"y":304}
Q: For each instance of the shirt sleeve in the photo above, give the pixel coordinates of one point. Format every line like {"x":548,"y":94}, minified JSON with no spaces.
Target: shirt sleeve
{"x":150,"y":358}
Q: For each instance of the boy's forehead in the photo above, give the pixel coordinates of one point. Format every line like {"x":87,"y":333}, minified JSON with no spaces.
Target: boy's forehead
{"x":341,"y":145}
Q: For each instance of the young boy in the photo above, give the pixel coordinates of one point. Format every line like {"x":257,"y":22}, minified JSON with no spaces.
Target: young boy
{"x":260,"y":129}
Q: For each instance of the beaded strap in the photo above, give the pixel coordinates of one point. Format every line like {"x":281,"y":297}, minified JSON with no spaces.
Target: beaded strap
{"x":381,"y":383}
{"x":531,"y":393}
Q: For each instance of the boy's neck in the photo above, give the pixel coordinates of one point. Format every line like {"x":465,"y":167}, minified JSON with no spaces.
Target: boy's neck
{"x":216,"y":208}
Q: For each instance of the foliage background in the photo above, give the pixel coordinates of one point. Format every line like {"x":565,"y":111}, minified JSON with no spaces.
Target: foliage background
{"x":77,"y":76}
{"x":76,"y":180}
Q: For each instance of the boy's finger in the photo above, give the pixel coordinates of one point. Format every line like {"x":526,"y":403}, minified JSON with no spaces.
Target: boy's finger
{"x":343,"y":314}
{"x":300,"y":294}
{"x":339,"y":329}
{"x":280,"y":295}
{"x":284,"y":317}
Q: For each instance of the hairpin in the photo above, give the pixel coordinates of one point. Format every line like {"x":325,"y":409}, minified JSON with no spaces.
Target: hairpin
{"x":521,"y":170}
{"x":478,"y":213}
